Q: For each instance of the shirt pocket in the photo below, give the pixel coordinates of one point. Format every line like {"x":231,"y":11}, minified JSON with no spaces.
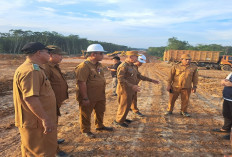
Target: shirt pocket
{"x":93,"y":75}
{"x":190,"y":72}
{"x":179,"y":72}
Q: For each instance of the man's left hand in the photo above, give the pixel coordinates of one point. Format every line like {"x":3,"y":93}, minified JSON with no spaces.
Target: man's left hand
{"x":194,"y":89}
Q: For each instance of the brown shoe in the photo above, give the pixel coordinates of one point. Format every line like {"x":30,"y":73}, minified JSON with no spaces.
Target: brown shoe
{"x":89,"y":134}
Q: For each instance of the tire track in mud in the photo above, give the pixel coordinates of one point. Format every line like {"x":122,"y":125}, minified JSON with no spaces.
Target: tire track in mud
{"x":143,"y":104}
{"x":165,"y":122}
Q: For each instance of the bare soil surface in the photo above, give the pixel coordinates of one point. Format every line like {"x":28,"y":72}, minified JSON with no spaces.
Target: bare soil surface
{"x":153,"y":135}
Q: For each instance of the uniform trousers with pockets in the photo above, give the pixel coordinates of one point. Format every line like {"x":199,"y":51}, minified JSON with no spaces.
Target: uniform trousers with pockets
{"x":134,"y":106}
{"x":227,"y":114}
{"x":85,"y":115}
{"x":124,"y":101}
{"x":185,"y":95}
{"x":34,"y":143}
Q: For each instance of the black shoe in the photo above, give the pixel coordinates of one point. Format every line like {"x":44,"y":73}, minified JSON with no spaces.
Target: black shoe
{"x":128,"y":121}
{"x":105,"y":129}
{"x":62,"y":154}
{"x":185,"y":114}
{"x":59,"y":141}
{"x":226,"y":137}
{"x":168,"y":113}
{"x":89,"y":134}
{"x":121,"y":124}
{"x":139,"y":114}
{"x":221,"y":130}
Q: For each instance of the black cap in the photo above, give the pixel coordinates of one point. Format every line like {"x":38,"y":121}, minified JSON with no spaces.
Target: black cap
{"x":33,"y":47}
{"x":116,"y":57}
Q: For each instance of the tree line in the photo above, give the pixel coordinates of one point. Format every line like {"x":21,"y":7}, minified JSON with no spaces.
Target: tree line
{"x":175,"y":44}
{"x":14,"y":40}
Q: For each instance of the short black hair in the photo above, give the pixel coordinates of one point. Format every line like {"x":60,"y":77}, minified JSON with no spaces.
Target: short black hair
{"x":116,"y":57}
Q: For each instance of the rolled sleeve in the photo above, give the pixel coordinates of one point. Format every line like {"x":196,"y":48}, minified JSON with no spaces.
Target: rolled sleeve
{"x":31,"y":84}
{"x":82,"y":73}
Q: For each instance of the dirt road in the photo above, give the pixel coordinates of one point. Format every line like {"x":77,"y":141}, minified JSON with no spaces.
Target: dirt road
{"x":153,"y":135}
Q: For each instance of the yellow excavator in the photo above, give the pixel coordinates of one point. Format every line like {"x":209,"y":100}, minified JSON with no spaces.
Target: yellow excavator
{"x":83,"y":52}
{"x":115,"y":53}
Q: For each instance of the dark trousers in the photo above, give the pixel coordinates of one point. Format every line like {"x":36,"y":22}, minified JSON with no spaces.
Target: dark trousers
{"x":227,"y":114}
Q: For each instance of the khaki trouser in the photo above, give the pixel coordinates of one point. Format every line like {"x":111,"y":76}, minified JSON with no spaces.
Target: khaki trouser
{"x":34,"y":143}
{"x":185,"y":94}
{"x":124,"y":101}
{"x":85,"y":115}
{"x":134,"y":106}
{"x":114,"y":84}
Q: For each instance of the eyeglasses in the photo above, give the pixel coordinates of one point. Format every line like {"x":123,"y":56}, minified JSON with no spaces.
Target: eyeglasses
{"x":100,"y":53}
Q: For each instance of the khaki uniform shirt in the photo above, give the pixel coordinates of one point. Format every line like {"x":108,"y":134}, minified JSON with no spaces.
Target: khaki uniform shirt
{"x":30,"y":80}
{"x":182,"y":76}
{"x":58,"y":82}
{"x":128,"y":76}
{"x":93,"y":75}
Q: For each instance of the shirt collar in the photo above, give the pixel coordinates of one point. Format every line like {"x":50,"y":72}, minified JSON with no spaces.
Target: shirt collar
{"x":184,"y":65}
{"x":28,"y":60}
{"x":92,"y":62}
{"x":129,"y":63}
{"x":51,"y":64}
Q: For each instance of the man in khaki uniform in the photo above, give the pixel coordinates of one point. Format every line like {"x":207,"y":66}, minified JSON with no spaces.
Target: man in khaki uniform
{"x":58,"y":82}
{"x":91,"y":90}
{"x":55,"y":76}
{"x":183,"y":79}
{"x":128,"y":78}
{"x":35,"y":104}
{"x":134,"y":108}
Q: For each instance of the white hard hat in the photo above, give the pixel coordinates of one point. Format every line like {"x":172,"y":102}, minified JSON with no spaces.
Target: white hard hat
{"x":142,"y":58}
{"x":95,"y":48}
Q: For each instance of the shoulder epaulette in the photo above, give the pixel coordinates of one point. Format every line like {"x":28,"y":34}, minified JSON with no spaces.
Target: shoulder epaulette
{"x":124,"y":64}
{"x":36,"y":67}
{"x":86,"y":62}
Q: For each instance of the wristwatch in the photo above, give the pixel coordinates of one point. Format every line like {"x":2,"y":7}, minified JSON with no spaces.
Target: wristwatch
{"x":194,"y":86}
{"x":85,"y":99}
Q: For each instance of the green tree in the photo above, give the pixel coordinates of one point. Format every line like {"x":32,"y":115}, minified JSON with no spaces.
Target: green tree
{"x":175,"y":44}
{"x":156,"y":51}
{"x":14,"y":40}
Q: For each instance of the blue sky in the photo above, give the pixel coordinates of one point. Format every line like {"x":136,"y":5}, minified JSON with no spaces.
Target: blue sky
{"x":134,"y":23}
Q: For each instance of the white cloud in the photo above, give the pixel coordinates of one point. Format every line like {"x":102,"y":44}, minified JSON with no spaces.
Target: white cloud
{"x":220,"y":34}
{"x":133,"y":23}
{"x":60,"y":2}
{"x":47,"y":9}
{"x":6,"y":6}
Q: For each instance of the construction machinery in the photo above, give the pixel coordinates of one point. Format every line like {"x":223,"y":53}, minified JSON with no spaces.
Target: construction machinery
{"x":83,"y":52}
{"x":121,"y":53}
{"x":208,"y":59}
